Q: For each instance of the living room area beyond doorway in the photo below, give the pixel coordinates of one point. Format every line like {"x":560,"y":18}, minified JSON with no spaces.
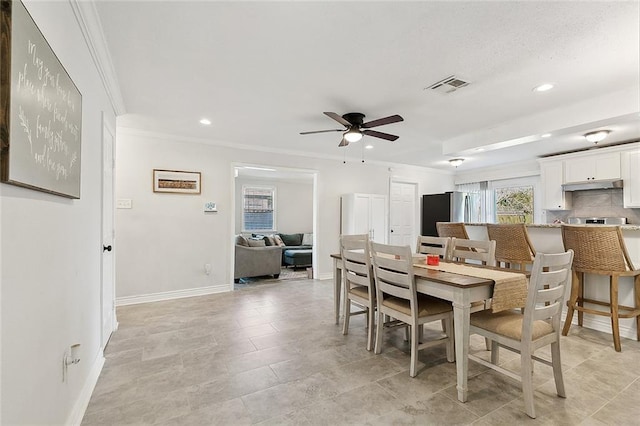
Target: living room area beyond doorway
{"x":273,"y":224}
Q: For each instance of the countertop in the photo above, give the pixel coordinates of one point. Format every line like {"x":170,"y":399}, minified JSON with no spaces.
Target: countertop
{"x":627,"y":227}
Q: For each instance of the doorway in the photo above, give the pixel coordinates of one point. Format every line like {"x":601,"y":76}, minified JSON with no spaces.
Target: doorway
{"x":403,"y":212}
{"x":289,"y":210}
{"x":108,"y":294}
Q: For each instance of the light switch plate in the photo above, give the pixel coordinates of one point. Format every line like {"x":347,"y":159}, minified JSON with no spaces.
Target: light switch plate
{"x":123,"y":203}
{"x":210,"y":207}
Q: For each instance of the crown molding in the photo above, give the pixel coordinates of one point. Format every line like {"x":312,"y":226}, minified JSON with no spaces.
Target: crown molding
{"x":91,"y":28}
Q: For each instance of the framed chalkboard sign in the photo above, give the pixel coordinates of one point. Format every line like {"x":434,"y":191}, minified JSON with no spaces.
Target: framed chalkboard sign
{"x":40,"y":109}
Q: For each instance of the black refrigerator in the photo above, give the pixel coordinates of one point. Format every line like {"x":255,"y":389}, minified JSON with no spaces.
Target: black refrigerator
{"x":451,"y":206}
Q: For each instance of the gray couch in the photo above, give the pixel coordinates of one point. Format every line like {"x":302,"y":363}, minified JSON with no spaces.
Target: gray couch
{"x":256,"y":261}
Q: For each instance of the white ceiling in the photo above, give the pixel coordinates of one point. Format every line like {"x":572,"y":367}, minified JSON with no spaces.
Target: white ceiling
{"x":264,"y":71}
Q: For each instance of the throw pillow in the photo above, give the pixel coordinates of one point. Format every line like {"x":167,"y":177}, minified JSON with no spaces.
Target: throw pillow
{"x":270,"y":240}
{"x":241,"y":240}
{"x":278,"y":240}
{"x":256,"y":243}
{"x":307,"y":239}
{"x":291,"y":239}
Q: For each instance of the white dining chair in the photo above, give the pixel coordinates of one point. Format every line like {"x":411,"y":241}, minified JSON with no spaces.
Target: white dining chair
{"x":397,"y":297}
{"x":537,"y":327}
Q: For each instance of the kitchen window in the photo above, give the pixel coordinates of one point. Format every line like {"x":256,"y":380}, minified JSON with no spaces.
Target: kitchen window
{"x":506,"y":200}
{"x":258,"y":208}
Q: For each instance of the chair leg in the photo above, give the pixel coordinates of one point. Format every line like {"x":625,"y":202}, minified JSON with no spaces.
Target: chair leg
{"x":557,"y":369}
{"x":487,"y":343}
{"x":527,"y":382}
{"x":636,"y":282}
{"x":495,"y":354}
{"x":615,"y":327}
{"x":371,"y":317}
{"x":451,"y":352}
{"x":581,"y":298}
{"x":571,"y":304}
{"x":413,"y":370}
{"x":379,"y":331}
{"x":347,"y":315}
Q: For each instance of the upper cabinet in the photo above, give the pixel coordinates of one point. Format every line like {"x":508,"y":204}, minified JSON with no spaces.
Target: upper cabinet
{"x":631,"y":178}
{"x":592,"y":167}
{"x":552,"y":177}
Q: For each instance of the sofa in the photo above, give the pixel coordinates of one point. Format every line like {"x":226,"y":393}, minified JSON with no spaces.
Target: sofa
{"x":255,"y":259}
{"x":297,"y":249}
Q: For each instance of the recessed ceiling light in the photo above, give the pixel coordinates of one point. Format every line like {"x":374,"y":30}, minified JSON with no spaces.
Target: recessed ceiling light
{"x":543,"y":87}
{"x":479,"y":149}
{"x":205,"y":121}
{"x":369,"y":146}
{"x":546,"y":135}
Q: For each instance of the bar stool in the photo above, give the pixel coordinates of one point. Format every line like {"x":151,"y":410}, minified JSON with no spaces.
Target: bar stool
{"x":513,"y":246}
{"x":452,"y":229}
{"x":600,"y":250}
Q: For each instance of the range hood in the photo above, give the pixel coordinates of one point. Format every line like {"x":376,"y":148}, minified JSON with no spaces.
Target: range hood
{"x":593,"y":184}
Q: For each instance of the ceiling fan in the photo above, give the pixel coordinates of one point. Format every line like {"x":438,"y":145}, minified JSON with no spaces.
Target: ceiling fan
{"x":355,"y":128}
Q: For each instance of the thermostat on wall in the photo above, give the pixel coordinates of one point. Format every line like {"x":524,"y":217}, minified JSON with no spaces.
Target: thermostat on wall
{"x":210,"y":207}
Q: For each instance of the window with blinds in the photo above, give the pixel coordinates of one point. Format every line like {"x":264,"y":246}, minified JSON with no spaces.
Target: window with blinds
{"x":258,"y":208}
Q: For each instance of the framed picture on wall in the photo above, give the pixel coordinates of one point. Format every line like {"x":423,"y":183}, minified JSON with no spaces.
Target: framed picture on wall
{"x":176,"y":181}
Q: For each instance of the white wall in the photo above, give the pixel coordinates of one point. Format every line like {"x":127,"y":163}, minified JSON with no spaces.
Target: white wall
{"x":50,"y":256}
{"x":165,"y":240}
{"x":294,"y":204}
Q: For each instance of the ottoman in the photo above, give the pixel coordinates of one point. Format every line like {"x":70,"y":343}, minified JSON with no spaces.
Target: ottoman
{"x":297,"y":257}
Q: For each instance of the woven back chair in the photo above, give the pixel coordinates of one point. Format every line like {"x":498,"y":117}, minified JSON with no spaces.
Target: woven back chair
{"x":452,"y":229}
{"x":600,"y":250}
{"x":513,"y":247}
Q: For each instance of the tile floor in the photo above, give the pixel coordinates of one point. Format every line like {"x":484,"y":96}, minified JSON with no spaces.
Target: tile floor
{"x":270,"y":354}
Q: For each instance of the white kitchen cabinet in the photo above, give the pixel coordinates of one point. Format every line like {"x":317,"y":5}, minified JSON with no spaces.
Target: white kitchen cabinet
{"x":631,"y":179}
{"x":365,"y":214}
{"x":552,"y":177}
{"x":592,"y":167}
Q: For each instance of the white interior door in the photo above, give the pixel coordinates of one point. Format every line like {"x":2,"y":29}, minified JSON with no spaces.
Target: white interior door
{"x":108,"y":285}
{"x":402,"y":213}
{"x":378,"y":218}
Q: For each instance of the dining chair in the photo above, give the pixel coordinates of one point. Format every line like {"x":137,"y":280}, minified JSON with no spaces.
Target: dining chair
{"x":537,"y":327}
{"x":358,"y":285}
{"x":433,"y":245}
{"x":397,"y":297}
{"x":452,"y":229}
{"x":513,"y":246}
{"x":473,"y":251}
{"x":600,"y":250}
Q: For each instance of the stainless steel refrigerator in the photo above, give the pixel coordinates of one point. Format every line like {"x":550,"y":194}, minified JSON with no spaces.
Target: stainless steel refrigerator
{"x":448,"y":207}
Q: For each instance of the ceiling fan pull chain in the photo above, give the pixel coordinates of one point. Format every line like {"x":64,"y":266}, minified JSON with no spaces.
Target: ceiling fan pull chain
{"x":362,"y":145}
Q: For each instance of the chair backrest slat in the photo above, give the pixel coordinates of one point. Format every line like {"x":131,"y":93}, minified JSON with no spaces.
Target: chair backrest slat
{"x":552,"y":271}
{"x":433,"y":245}
{"x":356,"y":261}
{"x":481,"y":251}
{"x":393,"y":272}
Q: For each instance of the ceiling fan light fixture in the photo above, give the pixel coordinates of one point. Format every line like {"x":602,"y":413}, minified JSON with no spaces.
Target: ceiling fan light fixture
{"x":455,"y":162}
{"x":352,"y":135}
{"x":596,"y":136}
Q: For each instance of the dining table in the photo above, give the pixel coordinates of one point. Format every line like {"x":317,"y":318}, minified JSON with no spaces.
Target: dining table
{"x":461,"y":290}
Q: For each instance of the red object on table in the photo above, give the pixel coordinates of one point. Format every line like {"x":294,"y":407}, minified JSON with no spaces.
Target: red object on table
{"x":433,"y":259}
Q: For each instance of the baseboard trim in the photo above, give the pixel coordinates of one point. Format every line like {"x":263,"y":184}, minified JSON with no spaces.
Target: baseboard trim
{"x":175,"y":294}
{"x":80,"y":407}
{"x":325,"y":276}
{"x":603,"y":324}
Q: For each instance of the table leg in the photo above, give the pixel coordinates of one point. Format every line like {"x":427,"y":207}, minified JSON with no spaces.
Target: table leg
{"x":337,"y":288}
{"x":461,"y":317}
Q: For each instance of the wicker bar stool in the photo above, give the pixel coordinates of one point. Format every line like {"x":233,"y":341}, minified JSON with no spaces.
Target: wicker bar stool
{"x":513,"y":247}
{"x":452,"y":229}
{"x":600,"y":250}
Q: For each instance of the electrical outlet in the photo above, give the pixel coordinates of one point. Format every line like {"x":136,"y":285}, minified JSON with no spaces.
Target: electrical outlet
{"x":207,"y":268}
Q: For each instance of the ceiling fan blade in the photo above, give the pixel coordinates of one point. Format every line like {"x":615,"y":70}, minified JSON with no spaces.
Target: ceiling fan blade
{"x":338,"y":118}
{"x":321,"y":131}
{"x":381,"y":121}
{"x":380,"y":135}
{"x":343,"y":142}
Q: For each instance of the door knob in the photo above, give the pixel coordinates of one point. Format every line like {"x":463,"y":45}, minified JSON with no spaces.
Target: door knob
{"x":106,"y":248}
{"x":392,"y":230}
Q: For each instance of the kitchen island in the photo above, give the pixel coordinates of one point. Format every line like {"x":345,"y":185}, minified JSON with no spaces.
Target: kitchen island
{"x":547,"y":238}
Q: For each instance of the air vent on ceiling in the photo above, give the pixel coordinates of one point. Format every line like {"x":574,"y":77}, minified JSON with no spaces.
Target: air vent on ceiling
{"x":448,"y":85}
